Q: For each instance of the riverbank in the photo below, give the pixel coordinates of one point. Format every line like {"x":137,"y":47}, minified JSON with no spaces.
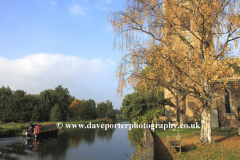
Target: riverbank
{"x":16,"y":129}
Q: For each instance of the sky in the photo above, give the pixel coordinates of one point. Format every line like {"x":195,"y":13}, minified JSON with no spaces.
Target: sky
{"x":46,"y":43}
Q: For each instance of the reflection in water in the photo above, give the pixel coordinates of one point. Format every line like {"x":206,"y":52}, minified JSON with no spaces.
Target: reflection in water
{"x":72,"y":144}
{"x":135,"y":136}
{"x":31,"y":144}
{"x":88,"y":136}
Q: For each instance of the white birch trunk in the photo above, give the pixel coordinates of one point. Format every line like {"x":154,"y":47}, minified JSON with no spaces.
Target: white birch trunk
{"x":206,"y":129}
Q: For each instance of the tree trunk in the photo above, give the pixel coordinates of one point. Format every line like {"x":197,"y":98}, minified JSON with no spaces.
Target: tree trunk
{"x":183,"y":115}
{"x":183,"y":110}
{"x":206,"y":129}
{"x":178,"y":109}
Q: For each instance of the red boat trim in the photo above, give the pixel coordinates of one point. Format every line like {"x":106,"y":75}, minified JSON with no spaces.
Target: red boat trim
{"x":48,"y":131}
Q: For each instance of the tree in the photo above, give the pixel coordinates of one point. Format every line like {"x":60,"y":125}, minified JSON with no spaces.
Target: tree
{"x":36,"y":114}
{"x":140,"y":107}
{"x":77,"y":109}
{"x":6,"y":106}
{"x":55,"y":113}
{"x":63,"y":99}
{"x":111,"y":114}
{"x":19,"y":105}
{"x":109,"y":104}
{"x":188,"y":47}
{"x":90,"y":109}
{"x":101,"y":110}
{"x":45,"y":104}
{"x":27,"y":110}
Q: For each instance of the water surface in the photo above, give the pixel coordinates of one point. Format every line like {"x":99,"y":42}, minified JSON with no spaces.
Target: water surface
{"x":85,"y":144}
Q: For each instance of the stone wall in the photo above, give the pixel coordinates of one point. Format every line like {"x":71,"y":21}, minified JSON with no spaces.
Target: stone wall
{"x":148,"y":149}
{"x":221,"y":117}
{"x":193,"y":109}
{"x":229,"y":119}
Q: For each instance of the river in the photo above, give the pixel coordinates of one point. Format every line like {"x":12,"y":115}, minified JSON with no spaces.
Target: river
{"x":84,"y":144}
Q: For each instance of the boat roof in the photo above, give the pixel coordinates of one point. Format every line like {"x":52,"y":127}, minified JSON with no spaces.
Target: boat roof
{"x":46,"y":125}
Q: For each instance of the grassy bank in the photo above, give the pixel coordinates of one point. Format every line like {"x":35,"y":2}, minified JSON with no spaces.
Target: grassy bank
{"x":226,"y":145}
{"x":15,"y":129}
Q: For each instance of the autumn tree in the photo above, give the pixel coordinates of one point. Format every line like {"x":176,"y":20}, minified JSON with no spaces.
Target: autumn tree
{"x":77,"y":109}
{"x":183,"y":45}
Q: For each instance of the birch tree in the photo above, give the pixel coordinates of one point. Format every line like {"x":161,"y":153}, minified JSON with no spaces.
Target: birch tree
{"x":183,"y":45}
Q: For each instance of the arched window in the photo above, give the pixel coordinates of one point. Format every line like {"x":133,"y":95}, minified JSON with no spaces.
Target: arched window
{"x":227,"y":102}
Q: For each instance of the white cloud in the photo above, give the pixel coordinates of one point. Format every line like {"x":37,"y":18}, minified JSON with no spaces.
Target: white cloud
{"x":77,"y":10}
{"x":53,"y":3}
{"x":37,"y":72}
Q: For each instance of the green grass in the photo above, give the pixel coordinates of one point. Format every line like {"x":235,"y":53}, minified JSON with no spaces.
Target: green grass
{"x":226,"y":146}
{"x":12,"y":129}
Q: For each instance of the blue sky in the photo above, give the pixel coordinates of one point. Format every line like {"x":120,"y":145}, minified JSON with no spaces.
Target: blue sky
{"x":45,"y":43}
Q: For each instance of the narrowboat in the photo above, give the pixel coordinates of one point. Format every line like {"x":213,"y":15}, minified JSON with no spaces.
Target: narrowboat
{"x":41,"y":130}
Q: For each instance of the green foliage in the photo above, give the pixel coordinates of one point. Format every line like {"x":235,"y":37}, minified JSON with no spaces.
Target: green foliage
{"x":6,"y":109}
{"x":90,"y":109}
{"x":17,"y":106}
{"x":45,"y":103}
{"x":36,"y":114}
{"x":104,"y":108}
{"x":32,"y":101}
{"x":142,"y":108}
{"x":62,"y":96}
{"x":109,"y":104}
{"x":56,"y":113}
{"x":101,"y":110}
{"x":111,"y":114}
{"x":235,"y":67}
{"x":136,"y":137}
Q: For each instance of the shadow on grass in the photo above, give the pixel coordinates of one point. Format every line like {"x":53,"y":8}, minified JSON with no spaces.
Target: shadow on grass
{"x":188,"y":148}
{"x":225,"y":137}
{"x":160,"y":150}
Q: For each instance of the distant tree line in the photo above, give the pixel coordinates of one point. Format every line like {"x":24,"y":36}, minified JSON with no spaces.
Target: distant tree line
{"x":49,"y":105}
{"x":86,"y":109}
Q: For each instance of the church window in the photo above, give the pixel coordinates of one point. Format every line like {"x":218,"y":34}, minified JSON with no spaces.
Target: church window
{"x":227,"y":102}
